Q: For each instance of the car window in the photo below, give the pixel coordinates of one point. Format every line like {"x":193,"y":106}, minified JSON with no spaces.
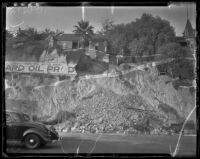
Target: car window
{"x":8,"y":118}
{"x":26,"y":117}
{"x":16,"y":117}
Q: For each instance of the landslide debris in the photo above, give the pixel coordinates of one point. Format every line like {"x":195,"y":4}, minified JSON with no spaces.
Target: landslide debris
{"x":139,"y":101}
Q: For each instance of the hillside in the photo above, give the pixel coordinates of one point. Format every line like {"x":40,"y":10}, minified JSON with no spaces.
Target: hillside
{"x":138,"y":101}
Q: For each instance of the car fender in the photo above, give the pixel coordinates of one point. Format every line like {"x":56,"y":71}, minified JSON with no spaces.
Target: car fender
{"x":34,"y":131}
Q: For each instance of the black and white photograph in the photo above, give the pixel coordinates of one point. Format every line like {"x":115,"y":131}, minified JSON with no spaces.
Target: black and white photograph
{"x":100,"y":80}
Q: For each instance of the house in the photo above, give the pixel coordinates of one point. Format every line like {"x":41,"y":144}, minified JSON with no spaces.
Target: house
{"x":69,"y":41}
{"x":181,"y":40}
{"x":189,"y":32}
{"x":97,"y":48}
{"x":188,"y":38}
{"x":72,"y":41}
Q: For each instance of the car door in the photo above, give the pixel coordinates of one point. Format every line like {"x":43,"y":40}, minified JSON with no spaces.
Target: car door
{"x":10,"y":127}
{"x":18,"y":126}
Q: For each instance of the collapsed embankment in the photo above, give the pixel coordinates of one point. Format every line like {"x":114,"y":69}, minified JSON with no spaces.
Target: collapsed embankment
{"x":139,"y":101}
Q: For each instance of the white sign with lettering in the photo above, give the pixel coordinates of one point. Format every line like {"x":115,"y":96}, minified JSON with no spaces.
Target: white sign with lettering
{"x":39,"y":67}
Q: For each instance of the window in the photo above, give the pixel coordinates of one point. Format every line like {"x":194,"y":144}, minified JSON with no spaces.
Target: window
{"x":16,"y":117}
{"x":26,"y":117}
{"x":8,"y":118}
{"x":74,"y":45}
{"x":97,"y":46}
{"x":64,"y":45}
{"x":67,"y":45}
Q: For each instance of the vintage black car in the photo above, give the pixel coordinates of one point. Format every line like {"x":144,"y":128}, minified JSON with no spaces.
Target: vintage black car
{"x":19,"y":127}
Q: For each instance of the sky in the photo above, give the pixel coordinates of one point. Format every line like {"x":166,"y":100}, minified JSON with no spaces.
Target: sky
{"x":64,"y":18}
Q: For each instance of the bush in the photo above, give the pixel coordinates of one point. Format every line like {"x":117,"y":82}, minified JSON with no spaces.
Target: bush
{"x":181,"y":66}
{"x":184,"y":69}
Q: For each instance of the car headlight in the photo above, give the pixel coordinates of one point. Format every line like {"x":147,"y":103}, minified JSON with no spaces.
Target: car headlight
{"x":47,"y":130}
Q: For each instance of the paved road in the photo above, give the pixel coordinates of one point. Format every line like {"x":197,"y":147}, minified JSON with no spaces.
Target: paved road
{"x":98,"y":143}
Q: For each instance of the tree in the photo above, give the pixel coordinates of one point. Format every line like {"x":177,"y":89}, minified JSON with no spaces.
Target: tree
{"x":147,"y":32}
{"x":181,"y":67}
{"x":9,"y":38}
{"x":117,"y":40}
{"x":29,"y":34}
{"x":85,"y":30}
{"x":48,"y":31}
{"x":170,"y":50}
{"x":139,"y":47}
{"x":107,"y":26}
{"x":29,"y":44}
{"x":156,"y":31}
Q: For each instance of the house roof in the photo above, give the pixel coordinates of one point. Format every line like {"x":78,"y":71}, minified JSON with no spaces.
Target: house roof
{"x":69,"y":37}
{"x":189,"y":31}
{"x":76,"y":37}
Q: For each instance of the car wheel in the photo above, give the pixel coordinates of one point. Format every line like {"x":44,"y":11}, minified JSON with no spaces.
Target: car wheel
{"x":32,"y":141}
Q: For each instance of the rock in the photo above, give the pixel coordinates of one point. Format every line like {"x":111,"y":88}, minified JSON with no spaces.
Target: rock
{"x":82,"y":127}
{"x":66,"y":130}
{"x":76,"y":130}
{"x":155,"y":132}
{"x":76,"y":125}
{"x":83,"y":131}
{"x":102,"y":128}
{"x":134,"y":116}
{"x":100,"y":120}
{"x":92,"y":130}
{"x":119,"y":132}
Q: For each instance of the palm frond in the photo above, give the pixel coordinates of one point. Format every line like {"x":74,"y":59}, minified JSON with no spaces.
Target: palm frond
{"x":84,"y":29}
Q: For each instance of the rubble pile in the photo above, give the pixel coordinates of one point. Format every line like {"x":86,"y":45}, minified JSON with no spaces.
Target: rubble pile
{"x":107,"y":112}
{"x":137,"y":102}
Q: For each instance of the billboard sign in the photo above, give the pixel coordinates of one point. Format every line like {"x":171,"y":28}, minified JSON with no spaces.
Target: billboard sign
{"x":39,"y":67}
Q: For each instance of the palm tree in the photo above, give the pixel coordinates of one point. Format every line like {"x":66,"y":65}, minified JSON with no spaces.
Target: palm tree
{"x":85,"y":30}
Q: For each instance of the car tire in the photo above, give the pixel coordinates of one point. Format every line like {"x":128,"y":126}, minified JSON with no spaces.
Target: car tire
{"x":32,"y":141}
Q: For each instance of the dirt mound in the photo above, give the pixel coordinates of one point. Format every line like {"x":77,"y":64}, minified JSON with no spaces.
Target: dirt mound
{"x":137,"y":101}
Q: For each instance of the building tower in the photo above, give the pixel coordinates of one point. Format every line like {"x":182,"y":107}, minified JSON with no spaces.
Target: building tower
{"x":189,"y":34}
